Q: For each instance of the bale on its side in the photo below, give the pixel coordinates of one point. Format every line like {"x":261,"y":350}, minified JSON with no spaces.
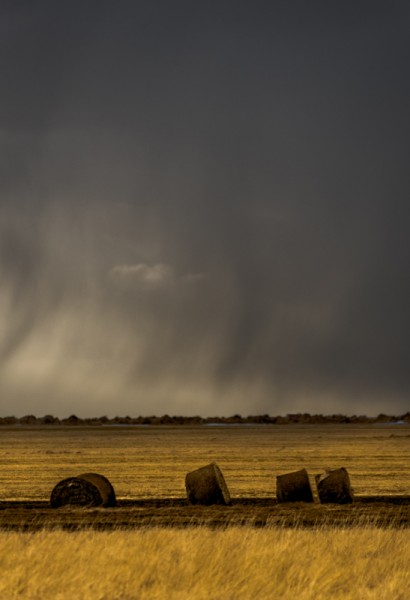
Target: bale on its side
{"x":88,"y":489}
{"x":207,"y":486}
{"x":294,"y":487}
{"x":104,"y":487}
{"x":334,"y":486}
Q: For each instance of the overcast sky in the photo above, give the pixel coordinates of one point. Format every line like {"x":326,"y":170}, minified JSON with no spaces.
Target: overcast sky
{"x":204,"y":207}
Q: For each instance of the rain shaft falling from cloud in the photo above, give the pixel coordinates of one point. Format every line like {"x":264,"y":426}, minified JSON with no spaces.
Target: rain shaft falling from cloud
{"x":204,"y":210}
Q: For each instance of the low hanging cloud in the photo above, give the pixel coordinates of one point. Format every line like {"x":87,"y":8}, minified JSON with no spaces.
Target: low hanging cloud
{"x":155,"y":276}
{"x":143,"y":274}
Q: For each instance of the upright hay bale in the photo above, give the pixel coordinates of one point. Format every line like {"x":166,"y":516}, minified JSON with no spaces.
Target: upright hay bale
{"x":88,"y":489}
{"x":334,"y":486}
{"x":294,"y":487}
{"x":207,"y":486}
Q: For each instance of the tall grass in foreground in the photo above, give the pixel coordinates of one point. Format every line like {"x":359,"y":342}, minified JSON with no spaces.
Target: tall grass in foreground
{"x":196,"y":564}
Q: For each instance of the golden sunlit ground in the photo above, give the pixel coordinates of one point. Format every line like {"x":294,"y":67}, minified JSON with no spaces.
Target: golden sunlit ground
{"x":325,"y":554}
{"x":151,"y":462}
{"x":203,"y":564}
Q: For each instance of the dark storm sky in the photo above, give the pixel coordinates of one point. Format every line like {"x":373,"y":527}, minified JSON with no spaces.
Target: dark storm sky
{"x":204,"y":207}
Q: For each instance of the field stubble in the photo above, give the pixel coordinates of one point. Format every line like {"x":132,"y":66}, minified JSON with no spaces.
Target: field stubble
{"x":147,"y":467}
{"x":151,"y":462}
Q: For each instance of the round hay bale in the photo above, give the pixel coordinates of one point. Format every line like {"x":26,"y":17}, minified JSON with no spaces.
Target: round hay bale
{"x":104,"y":487}
{"x":88,"y":489}
{"x":333,"y":486}
{"x":294,"y":487}
{"x":207,"y":486}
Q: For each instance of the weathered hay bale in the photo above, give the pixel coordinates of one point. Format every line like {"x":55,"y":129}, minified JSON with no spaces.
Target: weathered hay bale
{"x":207,"y":486}
{"x":334,"y":486}
{"x":104,"y":486}
{"x":88,"y":489}
{"x":294,"y":487}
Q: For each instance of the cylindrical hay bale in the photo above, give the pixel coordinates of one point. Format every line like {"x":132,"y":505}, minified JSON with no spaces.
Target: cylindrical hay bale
{"x":207,"y":486}
{"x":334,"y":486}
{"x":104,"y":486}
{"x":294,"y":487}
{"x":88,"y":489}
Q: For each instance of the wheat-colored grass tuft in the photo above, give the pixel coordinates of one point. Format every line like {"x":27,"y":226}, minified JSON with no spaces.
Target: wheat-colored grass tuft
{"x":203,"y":564}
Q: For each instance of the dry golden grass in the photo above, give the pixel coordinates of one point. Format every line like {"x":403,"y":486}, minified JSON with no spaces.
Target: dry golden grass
{"x":199,"y":563}
{"x":151,"y":462}
{"x":202,"y":564}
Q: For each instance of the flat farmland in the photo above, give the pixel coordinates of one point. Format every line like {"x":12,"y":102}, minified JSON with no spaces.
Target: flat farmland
{"x":154,"y":545}
{"x":151,"y":462}
{"x":147,"y":467}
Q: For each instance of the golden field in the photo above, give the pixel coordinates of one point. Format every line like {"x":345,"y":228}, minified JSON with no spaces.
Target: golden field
{"x":151,"y":462}
{"x":202,"y":564}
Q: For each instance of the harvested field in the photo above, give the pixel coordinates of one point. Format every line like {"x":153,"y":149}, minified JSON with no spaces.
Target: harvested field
{"x":147,"y":467}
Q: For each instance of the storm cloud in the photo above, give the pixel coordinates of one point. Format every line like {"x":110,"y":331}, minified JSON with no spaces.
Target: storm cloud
{"x":204,"y":207}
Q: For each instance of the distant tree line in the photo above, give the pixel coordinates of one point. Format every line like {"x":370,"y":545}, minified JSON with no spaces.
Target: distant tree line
{"x":296,"y":418}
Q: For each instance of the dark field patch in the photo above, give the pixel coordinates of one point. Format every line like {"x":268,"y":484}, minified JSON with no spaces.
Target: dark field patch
{"x":379,"y":511}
